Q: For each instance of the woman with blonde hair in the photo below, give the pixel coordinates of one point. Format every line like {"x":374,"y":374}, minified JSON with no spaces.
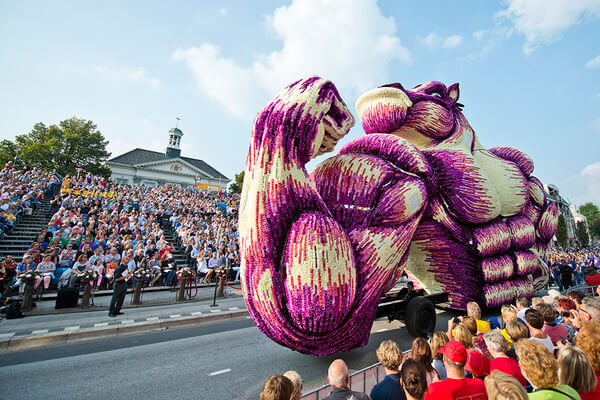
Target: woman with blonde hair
{"x":438,"y":341}
{"x":464,"y":336}
{"x":509,"y":313}
{"x":421,"y":353}
{"x":501,"y":386}
{"x":390,"y":356}
{"x":540,"y":368}
{"x":297,"y":382}
{"x":515,"y":331}
{"x":575,"y":370}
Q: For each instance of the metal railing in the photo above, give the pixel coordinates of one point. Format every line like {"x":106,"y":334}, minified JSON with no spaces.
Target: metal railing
{"x":360,"y":381}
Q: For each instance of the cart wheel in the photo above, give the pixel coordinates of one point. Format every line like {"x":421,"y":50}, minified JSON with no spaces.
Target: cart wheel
{"x":420,"y":317}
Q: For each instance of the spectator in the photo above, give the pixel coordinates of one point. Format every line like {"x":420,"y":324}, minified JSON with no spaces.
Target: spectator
{"x":576,"y":296}
{"x":478,"y":365}
{"x":437,"y":342}
{"x":294,"y":377}
{"x":540,"y":368}
{"x":339,"y":378}
{"x":509,"y":313}
{"x":474,"y":311}
{"x":464,"y":336}
{"x":535,"y":323}
{"x":516,"y":331}
{"x":421,"y":353}
{"x":588,"y":341}
{"x":456,"y":385}
{"x":498,"y":347}
{"x":556,"y":332}
{"x":589,"y":309}
{"x":478,"y":342}
{"x":575,"y":370}
{"x":522,"y":306}
{"x":413,"y":380}
{"x":501,"y":386}
{"x":277,"y":387}
{"x":390,"y":356}
{"x":46,"y":270}
{"x":566,"y":274}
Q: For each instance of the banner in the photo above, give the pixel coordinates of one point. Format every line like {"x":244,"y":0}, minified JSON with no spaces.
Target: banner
{"x":206,"y":186}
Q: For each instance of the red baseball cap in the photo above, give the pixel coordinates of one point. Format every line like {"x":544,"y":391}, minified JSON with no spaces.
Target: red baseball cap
{"x":455,"y":351}
{"x":478,"y":364}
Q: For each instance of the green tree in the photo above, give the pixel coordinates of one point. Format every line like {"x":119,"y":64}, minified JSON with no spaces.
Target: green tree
{"x":591,"y":212}
{"x":238,"y":182}
{"x":582,"y":234}
{"x":595,"y":227}
{"x":71,"y":144}
{"x":8,"y":151}
{"x":561,"y":232}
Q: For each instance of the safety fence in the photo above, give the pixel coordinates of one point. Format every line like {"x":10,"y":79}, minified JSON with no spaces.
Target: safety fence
{"x":360,"y":381}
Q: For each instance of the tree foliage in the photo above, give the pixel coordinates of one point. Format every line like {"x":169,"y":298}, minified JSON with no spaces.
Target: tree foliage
{"x":8,"y":151}
{"x":561,"y":232}
{"x":582,"y":234}
{"x":73,"y":143}
{"x":236,"y":186}
{"x":591,"y":212}
{"x":595,"y":227}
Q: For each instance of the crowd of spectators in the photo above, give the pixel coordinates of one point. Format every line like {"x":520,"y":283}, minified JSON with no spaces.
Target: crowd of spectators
{"x":21,"y":192}
{"x":535,"y":350}
{"x":95,"y":222}
{"x":572,"y":267}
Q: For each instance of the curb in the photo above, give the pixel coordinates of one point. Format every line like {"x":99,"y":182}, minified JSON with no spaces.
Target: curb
{"x":12,"y":343}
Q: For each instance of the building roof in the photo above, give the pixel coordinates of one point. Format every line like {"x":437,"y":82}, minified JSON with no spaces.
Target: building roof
{"x":140,"y":156}
{"x":176,"y":130}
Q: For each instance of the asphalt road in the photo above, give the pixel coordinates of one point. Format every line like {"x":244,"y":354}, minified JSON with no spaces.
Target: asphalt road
{"x":221,"y":360}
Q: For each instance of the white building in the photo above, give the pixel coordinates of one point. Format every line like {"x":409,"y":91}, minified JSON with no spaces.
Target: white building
{"x":152,"y":168}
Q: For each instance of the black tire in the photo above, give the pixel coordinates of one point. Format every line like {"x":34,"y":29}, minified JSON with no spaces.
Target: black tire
{"x":420,"y":317}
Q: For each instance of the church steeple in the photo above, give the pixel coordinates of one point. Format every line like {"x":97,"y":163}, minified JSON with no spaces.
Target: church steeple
{"x":173,"y":148}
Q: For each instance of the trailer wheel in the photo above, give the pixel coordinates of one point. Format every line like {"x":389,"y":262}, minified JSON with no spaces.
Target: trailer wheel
{"x":420,"y":317}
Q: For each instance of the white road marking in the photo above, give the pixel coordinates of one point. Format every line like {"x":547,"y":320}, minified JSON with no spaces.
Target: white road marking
{"x":152,"y":319}
{"x":40,"y":331}
{"x":71,"y":328}
{"x":233,"y":308}
{"x":215,"y":310}
{"x":127,"y":321}
{"x":175,"y":316}
{"x":101,"y":324}
{"x":197,"y":313}
{"x":222,"y":371}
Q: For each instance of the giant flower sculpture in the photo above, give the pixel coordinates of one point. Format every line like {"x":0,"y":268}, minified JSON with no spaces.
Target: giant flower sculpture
{"x":418,"y":192}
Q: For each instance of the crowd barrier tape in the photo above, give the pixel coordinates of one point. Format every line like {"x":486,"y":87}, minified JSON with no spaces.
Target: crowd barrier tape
{"x":92,"y":193}
{"x":227,"y":284}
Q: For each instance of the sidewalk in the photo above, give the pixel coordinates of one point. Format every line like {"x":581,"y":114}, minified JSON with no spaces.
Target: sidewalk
{"x":94,"y":323}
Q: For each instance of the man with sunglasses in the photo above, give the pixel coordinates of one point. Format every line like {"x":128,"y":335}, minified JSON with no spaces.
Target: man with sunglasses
{"x":588,"y":310}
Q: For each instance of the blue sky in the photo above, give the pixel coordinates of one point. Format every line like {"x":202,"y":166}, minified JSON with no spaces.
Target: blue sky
{"x":529,"y":70}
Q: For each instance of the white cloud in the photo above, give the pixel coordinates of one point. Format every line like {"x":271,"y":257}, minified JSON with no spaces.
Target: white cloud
{"x":587,"y":184}
{"x":453,"y":41}
{"x":434,"y":41}
{"x":431,"y":40}
{"x":349,"y":42}
{"x":591,"y":170}
{"x":138,"y":74}
{"x":223,"y":11}
{"x":593,"y":63}
{"x":545,"y":21}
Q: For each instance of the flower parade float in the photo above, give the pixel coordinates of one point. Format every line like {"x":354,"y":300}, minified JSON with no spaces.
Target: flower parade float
{"x":418,"y":193}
